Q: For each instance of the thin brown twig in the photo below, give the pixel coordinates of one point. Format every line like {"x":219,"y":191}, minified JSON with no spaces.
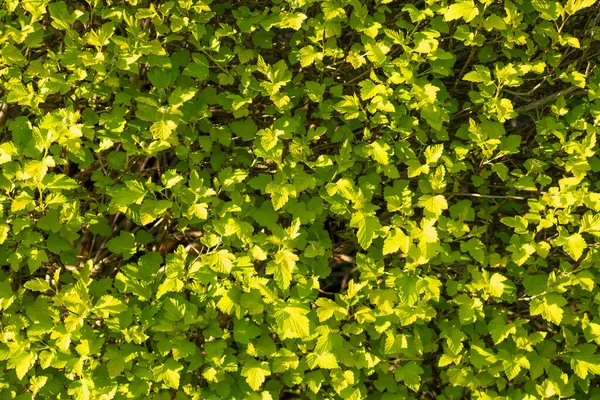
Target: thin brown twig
{"x":113,"y":229}
{"x":344,"y":284}
{"x":357,"y":77}
{"x":549,"y":99}
{"x":487,"y":196}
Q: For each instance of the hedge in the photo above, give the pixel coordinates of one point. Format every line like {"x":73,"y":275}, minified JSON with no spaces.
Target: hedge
{"x":299,"y":199}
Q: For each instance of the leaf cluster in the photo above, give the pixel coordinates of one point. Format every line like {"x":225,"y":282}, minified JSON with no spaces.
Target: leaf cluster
{"x":299,"y":199}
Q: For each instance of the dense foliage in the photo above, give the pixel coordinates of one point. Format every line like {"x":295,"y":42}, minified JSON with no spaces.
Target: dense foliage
{"x":299,"y":199}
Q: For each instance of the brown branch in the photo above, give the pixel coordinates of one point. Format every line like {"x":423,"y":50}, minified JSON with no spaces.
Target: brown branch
{"x":487,"y":196}
{"x":550,"y":99}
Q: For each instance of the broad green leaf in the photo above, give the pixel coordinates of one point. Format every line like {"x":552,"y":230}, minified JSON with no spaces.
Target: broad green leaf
{"x":465,"y":9}
{"x":512,"y":364}
{"x":169,"y":373}
{"x":379,"y":152}
{"x":61,"y":17}
{"x":123,"y":244}
{"x":293,"y":322}
{"x":59,"y":181}
{"x":575,"y":5}
{"x":322,"y":360}
{"x":433,"y":153}
{"x":328,"y":308}
{"x":590,"y":223}
{"x":396,"y":240}
{"x":575,"y":245}
{"x":308,"y":55}
{"x":586,"y":361}
{"x":108,"y":305}
{"x":549,"y":10}
{"x":368,"y":226}
{"x":282,"y":268}
{"x":410,"y":375}
{"x":22,"y":363}
{"x":255,"y":373}
{"x":133,"y":193}
{"x":37,"y":285}
{"x":7,"y":297}
{"x":280,"y":193}
{"x":475,"y":248}
{"x":244,"y":331}
{"x":549,"y":307}
{"x":433,"y":204}
{"x":500,"y":330}
{"x":4,"y":229}
{"x":496,"y":286}
{"x":221,"y":261}
{"x":180,"y":96}
{"x":350,"y":107}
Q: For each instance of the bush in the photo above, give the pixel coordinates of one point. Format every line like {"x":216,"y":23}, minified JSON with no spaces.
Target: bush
{"x":299,"y":199}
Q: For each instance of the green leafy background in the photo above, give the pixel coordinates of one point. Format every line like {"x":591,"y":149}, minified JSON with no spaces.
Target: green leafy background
{"x":299,"y":199}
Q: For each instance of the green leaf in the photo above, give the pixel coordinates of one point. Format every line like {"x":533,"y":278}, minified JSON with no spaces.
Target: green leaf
{"x":379,"y":152}
{"x":151,"y":210}
{"x":161,"y":78}
{"x":427,"y":232}
{"x":350,"y":107}
{"x":433,"y":153}
{"x":328,"y":308}
{"x":4,"y":230}
{"x":285,"y":360}
{"x":244,"y":331}
{"x":475,"y":248}
{"x":80,"y":390}
{"x":282,"y":268}
{"x":590,"y":223}
{"x":7,"y":296}
{"x":123,"y":244}
{"x":169,"y":373}
{"x":480,"y":75}
{"x":500,"y":330}
{"x":576,"y":5}
{"x":512,"y":364}
{"x":549,"y":307}
{"x":368,"y":226}
{"x":37,"y":285}
{"x":133,"y":193}
{"x":101,"y":37}
{"x":163,"y":129}
{"x":199,"y":68}
{"x":221,"y":261}
{"x":465,"y":9}
{"x":21,"y":202}
{"x":496,"y":286}
{"x":410,"y":373}
{"x":256,"y":373}
{"x":324,"y":360}
{"x":59,"y":181}
{"x":293,"y":322}
{"x":280,"y":193}
{"x":586,"y":361}
{"x":108,"y":305}
{"x":395,"y":241}
{"x":519,"y":223}
{"x":22,"y":363}
{"x":180,"y":96}
{"x":434,"y":205}
{"x":308,"y":55}
{"x":574,"y":246}
{"x":61,"y":17}
{"x":549,"y":10}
